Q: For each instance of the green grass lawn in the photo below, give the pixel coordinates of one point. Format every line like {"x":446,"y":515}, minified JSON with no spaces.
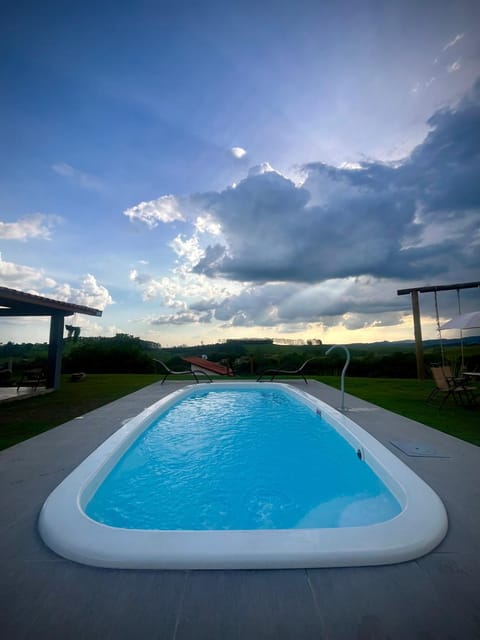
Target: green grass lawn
{"x":407,"y":397}
{"x":25,"y":418}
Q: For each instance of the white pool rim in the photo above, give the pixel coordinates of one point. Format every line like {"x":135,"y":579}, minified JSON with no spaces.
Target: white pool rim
{"x":416,"y":530}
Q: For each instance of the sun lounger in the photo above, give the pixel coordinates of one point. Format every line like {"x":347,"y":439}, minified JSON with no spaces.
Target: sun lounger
{"x":169,"y":372}
{"x":272,"y":373}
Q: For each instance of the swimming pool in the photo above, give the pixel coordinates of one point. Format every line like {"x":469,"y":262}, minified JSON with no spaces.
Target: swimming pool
{"x":211,"y":497}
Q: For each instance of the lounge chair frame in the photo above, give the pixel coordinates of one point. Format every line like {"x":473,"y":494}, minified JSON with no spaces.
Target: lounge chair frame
{"x":170,"y":372}
{"x":273,"y":373}
{"x":33,"y":377}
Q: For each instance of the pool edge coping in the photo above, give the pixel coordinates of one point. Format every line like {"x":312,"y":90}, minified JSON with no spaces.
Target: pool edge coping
{"x":68,"y":531}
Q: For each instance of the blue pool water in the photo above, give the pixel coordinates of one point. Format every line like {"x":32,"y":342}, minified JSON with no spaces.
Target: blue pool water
{"x":241,"y":459}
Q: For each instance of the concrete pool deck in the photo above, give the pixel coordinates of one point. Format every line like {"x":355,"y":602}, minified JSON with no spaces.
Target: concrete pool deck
{"x":44,"y":595}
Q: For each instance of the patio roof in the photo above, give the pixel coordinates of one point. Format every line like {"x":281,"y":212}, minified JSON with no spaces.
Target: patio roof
{"x":19,"y":303}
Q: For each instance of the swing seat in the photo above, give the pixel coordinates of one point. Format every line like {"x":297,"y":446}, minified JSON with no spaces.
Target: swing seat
{"x":447,"y":386}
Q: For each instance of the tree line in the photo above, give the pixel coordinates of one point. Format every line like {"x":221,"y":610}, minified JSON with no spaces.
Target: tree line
{"x":128,"y":354}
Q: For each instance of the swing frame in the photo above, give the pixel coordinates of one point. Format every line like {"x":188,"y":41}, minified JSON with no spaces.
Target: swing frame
{"x":417,"y":319}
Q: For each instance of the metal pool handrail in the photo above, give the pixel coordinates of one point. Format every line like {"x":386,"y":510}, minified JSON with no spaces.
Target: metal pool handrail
{"x":342,"y":377}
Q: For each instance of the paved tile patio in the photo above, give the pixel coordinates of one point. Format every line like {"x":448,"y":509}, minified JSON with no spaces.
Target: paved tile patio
{"x":45,"y":596}
{"x":10,"y":394}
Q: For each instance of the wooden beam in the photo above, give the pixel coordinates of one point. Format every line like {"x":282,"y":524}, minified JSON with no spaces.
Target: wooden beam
{"x":55,"y":348}
{"x":25,"y":311}
{"x":440,"y":287}
{"x":417,"y":330}
{"x":24,"y":303}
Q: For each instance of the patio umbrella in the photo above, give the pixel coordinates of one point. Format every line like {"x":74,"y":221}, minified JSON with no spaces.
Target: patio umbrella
{"x":464,"y":321}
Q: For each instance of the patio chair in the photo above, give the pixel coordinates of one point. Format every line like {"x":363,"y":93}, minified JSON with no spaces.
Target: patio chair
{"x":169,"y":372}
{"x":285,"y":372}
{"x":33,"y":377}
{"x":447,"y":385}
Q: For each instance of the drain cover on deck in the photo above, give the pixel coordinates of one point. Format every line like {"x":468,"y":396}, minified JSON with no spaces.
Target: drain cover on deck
{"x":418,"y":450}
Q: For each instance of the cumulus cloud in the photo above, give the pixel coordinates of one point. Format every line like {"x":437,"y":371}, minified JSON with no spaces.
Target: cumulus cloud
{"x":255,"y":305}
{"x":369,"y":221}
{"x":339,"y":223}
{"x":355,"y":321}
{"x":259,"y":169}
{"x":139,"y":278}
{"x":187,"y":248}
{"x":89,"y":293}
{"x":238,"y":152}
{"x":187,"y":317}
{"x":38,"y":225}
{"x":17,"y":276}
{"x":207,"y":224}
{"x":165,"y":209}
{"x":90,"y":327}
{"x":274,"y":304}
{"x":163,"y":288}
{"x":340,"y":243}
{"x":183,"y":289}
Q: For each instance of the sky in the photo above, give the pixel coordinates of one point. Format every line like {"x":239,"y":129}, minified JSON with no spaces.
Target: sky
{"x":214,"y":170}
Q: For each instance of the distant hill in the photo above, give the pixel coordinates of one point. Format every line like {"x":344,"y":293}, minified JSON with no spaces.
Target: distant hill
{"x":408,"y":343}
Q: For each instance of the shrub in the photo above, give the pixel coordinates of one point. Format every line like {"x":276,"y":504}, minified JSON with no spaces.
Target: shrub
{"x":122,"y":354}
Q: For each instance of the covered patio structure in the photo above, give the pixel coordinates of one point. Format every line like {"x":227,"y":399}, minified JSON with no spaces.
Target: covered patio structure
{"x":18,"y":303}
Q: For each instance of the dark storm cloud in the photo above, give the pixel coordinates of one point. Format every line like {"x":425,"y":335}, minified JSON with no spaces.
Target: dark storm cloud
{"x":418,"y":219}
{"x":269,"y":305}
{"x":185,"y":317}
{"x":445,"y":168}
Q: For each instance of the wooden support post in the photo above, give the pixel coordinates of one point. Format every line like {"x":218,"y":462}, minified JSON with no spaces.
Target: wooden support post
{"x":55,"y":348}
{"x":417,"y":329}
